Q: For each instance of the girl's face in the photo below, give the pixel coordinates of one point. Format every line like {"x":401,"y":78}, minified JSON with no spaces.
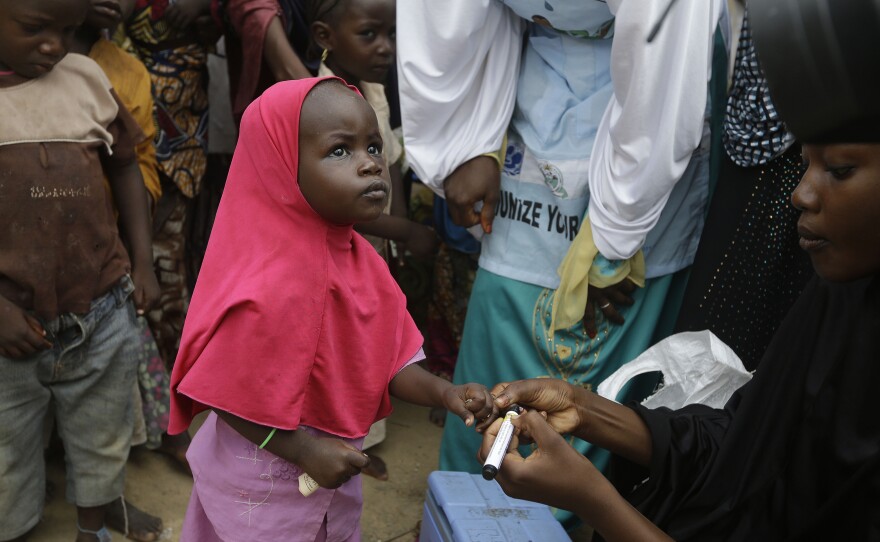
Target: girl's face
{"x":341,"y":170}
{"x":36,"y":34}
{"x":839,"y":199}
{"x":360,"y":40}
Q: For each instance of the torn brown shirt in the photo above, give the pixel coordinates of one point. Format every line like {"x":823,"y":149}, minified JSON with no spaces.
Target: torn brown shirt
{"x":59,"y":241}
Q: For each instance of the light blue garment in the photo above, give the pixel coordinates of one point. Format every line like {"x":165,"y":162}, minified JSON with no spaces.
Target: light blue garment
{"x":540,"y":211}
{"x":564,"y":87}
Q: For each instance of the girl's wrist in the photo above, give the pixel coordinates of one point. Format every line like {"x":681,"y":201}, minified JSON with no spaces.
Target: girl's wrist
{"x":296,"y":444}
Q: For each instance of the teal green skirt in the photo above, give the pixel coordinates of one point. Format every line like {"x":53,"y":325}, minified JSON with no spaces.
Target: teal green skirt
{"x":506,"y":338}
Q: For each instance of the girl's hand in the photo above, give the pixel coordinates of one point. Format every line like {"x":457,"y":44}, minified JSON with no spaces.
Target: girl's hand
{"x":331,"y":462}
{"x":146,"y":288}
{"x":21,"y":335}
{"x":472,"y":403}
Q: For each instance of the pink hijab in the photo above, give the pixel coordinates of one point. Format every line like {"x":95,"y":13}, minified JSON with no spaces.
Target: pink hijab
{"x":294,"y":320}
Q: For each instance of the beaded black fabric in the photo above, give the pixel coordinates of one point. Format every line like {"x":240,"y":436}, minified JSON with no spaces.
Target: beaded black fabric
{"x":749,"y":268}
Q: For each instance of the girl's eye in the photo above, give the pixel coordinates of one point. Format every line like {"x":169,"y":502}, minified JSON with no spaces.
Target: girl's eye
{"x":338,"y":152}
{"x":840,"y":173}
{"x":32,"y":28}
{"x":368,"y":34}
{"x":375,"y":150}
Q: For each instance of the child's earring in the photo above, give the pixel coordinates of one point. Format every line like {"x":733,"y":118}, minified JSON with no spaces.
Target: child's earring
{"x":324,"y":56}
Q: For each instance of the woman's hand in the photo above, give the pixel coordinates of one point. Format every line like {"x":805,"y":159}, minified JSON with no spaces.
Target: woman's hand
{"x":472,"y":403}
{"x":607,"y":300}
{"x":329,"y":461}
{"x":477,"y":180}
{"x":554,"y":474}
{"x":558,"y":475}
{"x":563,"y":403}
{"x":574,"y":410}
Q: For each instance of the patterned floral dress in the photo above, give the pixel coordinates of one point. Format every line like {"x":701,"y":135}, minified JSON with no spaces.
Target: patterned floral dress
{"x":178,"y":69}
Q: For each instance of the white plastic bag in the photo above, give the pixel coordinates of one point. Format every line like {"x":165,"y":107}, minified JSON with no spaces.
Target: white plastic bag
{"x":697,"y":367}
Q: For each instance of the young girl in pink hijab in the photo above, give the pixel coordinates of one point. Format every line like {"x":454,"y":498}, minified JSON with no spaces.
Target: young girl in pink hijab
{"x":297,"y":334}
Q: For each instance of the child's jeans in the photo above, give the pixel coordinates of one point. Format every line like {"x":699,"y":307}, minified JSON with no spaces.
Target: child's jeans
{"x":89,"y":372}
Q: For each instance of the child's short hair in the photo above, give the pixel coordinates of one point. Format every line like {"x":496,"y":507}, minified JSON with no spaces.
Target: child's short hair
{"x":325,"y":11}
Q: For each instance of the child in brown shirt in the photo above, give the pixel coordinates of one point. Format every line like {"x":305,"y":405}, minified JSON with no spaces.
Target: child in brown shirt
{"x":68,"y":290}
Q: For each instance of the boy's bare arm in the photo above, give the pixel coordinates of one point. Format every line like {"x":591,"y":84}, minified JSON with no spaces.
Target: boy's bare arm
{"x":130,"y":197}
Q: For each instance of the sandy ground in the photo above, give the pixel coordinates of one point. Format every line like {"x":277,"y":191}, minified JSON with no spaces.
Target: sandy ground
{"x":392,"y":509}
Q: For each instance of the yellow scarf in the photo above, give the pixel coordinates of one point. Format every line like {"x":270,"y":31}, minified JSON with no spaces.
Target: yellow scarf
{"x":577,"y":273}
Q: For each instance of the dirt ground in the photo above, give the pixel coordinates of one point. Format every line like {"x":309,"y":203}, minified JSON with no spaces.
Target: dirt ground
{"x":392,"y":509}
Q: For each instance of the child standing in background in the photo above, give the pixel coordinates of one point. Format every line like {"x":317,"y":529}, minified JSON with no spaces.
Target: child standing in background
{"x":357,"y":40}
{"x":164,"y":37}
{"x":297,"y":334}
{"x":151,"y":397}
{"x":67,"y":321}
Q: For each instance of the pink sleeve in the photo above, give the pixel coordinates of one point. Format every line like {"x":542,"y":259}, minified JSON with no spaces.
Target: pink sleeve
{"x":417,"y":357}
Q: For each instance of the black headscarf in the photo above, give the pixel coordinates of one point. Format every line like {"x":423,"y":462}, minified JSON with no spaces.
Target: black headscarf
{"x":795,"y":454}
{"x":820,"y":59}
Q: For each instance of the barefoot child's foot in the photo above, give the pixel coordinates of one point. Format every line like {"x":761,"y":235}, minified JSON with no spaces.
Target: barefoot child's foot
{"x":175,"y":446}
{"x":139,"y":525}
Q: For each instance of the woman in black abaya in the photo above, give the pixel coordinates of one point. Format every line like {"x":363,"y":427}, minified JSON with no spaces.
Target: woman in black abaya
{"x":795,"y":453}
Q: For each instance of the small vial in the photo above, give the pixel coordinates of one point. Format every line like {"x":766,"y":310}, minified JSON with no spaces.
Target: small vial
{"x":307,"y":485}
{"x":502,"y":441}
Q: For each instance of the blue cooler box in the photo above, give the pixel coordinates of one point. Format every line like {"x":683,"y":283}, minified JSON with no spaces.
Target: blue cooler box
{"x":462,"y":507}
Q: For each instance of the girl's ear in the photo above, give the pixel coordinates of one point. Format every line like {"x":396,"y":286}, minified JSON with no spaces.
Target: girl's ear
{"x":322,"y":34}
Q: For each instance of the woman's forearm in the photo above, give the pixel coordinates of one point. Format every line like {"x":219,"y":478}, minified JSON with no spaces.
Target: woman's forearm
{"x":615,"y":427}
{"x":615,"y":519}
